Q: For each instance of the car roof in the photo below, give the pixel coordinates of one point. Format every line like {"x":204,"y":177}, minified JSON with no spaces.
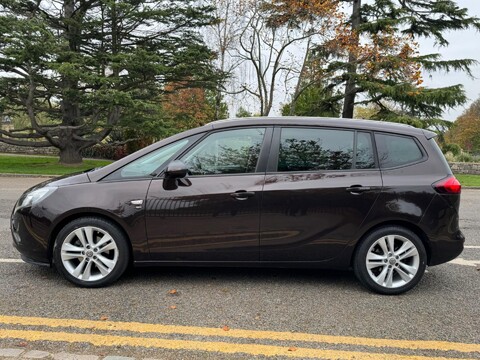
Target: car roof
{"x":358,"y":124}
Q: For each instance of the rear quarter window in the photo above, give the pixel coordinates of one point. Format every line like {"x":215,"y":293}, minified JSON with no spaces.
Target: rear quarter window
{"x":396,"y":150}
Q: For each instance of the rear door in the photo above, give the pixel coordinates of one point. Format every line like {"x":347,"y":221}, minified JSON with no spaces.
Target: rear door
{"x":320,"y":185}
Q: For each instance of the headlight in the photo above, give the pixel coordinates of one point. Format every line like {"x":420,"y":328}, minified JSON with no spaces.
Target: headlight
{"x":36,"y":195}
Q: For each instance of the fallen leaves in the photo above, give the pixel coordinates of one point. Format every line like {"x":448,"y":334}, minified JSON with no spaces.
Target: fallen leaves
{"x":225,"y":328}
{"x":104,"y":318}
{"x":172,"y":292}
{"x":22,"y":344}
{"x":292,"y":348}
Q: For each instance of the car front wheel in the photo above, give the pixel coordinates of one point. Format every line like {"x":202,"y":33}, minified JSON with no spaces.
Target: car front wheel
{"x":91,"y":252}
{"x":390,"y":260}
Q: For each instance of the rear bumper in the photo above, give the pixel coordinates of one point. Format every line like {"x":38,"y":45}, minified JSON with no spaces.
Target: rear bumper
{"x":441,"y":225}
{"x":446,"y":250}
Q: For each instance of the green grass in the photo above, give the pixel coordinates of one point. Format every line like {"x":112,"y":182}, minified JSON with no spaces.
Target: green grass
{"x":468,"y":180}
{"x":43,"y":165}
{"x":48,"y":165}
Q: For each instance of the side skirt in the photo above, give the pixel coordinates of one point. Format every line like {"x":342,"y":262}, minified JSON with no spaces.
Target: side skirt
{"x":255,"y":264}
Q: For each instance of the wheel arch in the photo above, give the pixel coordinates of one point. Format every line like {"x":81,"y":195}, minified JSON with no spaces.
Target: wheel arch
{"x":412,"y":227}
{"x":84,"y":214}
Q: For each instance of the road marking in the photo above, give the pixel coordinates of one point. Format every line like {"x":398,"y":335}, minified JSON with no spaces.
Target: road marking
{"x":239,"y":333}
{"x":11,"y":261}
{"x":460,"y":261}
{"x":471,"y":247}
{"x":222,"y":347}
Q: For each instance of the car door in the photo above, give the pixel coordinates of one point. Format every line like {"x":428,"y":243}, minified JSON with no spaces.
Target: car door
{"x":213,"y":214}
{"x":124,"y":191}
{"x":320,"y":185}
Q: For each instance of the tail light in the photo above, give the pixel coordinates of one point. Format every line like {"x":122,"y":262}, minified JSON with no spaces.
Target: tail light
{"x":449,"y":185}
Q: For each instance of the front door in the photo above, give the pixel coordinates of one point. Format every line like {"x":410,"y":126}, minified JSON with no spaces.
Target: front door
{"x":213,"y":214}
{"x":318,"y":191}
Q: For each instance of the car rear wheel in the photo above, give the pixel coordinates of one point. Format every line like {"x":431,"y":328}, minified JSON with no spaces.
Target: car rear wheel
{"x":91,"y":252}
{"x":390,"y":260}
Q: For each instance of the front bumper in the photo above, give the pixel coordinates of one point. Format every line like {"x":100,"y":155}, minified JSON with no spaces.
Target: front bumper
{"x":28,"y":237}
{"x":33,"y":262}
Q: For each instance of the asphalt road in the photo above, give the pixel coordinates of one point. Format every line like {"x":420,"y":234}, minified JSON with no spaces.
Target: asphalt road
{"x":444,"y":308}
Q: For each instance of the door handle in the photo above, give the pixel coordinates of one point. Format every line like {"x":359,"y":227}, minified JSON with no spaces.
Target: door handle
{"x":358,"y":189}
{"x":242,"y":194}
{"x":137,"y":203}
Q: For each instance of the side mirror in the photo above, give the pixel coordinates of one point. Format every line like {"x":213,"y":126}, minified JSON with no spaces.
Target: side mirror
{"x":176,"y":170}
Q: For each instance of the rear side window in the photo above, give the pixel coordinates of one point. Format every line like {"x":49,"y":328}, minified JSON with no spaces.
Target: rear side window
{"x":396,"y":150}
{"x":307,"y":149}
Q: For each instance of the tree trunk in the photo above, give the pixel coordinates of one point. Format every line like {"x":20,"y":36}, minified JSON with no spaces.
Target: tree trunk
{"x":350,"y":93}
{"x":70,"y":155}
{"x":296,"y":94}
{"x":70,"y":106}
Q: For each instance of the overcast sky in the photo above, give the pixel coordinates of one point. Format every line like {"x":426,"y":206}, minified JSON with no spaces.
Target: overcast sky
{"x":463,"y":45}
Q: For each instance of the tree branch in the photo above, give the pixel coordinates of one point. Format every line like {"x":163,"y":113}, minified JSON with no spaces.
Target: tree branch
{"x":25,"y":143}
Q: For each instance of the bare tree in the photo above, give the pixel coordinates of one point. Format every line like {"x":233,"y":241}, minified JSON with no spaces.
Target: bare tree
{"x":274,"y":45}
{"x":223,"y":37}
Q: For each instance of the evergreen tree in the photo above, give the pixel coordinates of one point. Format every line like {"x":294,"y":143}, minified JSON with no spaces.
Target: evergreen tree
{"x":86,"y":64}
{"x":383,"y":65}
{"x":242,"y":112}
{"x":313,"y":101}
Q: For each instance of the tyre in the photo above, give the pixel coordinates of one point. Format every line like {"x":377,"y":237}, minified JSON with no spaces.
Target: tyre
{"x":91,"y":252}
{"x":390,"y":260}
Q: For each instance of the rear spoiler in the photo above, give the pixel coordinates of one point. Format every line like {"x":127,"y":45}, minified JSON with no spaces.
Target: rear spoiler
{"x":429,"y":134}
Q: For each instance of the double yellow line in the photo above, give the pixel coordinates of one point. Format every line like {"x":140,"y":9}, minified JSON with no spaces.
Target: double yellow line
{"x":226,"y":347}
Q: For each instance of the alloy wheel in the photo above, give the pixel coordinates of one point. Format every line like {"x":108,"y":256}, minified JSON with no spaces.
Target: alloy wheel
{"x":392,"y":261}
{"x":89,"y":253}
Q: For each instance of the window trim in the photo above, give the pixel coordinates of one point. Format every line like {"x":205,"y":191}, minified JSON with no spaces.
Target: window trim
{"x":272,"y":166}
{"x":424,"y":157}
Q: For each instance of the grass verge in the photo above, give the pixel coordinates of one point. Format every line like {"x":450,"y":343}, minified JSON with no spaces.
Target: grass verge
{"x":48,"y":165}
{"x":43,"y":165}
{"x":468,"y":180}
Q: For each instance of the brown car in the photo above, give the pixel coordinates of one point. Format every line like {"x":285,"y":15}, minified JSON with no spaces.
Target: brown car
{"x":277,"y":192}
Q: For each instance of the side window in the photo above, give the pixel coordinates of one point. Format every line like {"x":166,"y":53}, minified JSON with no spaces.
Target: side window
{"x":364,"y":156}
{"x":226,"y":152}
{"x":147,"y":164}
{"x":310,"y":149}
{"x":397,"y":150}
